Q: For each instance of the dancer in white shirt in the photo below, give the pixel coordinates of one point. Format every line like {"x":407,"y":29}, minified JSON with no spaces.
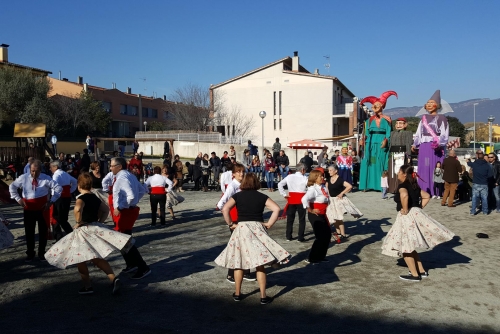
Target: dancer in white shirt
{"x":297,"y":187}
{"x":157,"y":186}
{"x":36,"y":188}
{"x":62,"y":205}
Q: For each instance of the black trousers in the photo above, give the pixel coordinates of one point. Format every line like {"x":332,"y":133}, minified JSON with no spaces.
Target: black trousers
{"x":323,"y":234}
{"x":61,"y":212}
{"x":133,"y":258}
{"x":230,"y":272}
{"x":155,"y":200}
{"x":290,"y":218}
{"x":30,"y":220}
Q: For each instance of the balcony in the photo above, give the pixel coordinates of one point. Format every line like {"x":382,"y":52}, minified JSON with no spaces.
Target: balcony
{"x":343,"y":110}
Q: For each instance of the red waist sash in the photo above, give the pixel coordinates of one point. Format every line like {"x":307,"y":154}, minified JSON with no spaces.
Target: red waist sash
{"x":320,"y":206}
{"x":126,"y":219}
{"x":295,"y":197}
{"x":157,"y":190}
{"x":35,"y":204}
{"x":234,"y":214}
{"x":66,"y":191}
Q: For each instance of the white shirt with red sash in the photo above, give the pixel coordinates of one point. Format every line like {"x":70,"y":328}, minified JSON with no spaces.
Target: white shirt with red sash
{"x":316,"y":197}
{"x":127,"y":191}
{"x":35,"y":191}
{"x":66,"y":181}
{"x":107,"y":182}
{"x":297,"y":187}
{"x":225,"y":180}
{"x":158,"y":183}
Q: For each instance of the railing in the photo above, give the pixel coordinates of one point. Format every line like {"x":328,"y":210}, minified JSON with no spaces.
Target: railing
{"x":194,"y":137}
{"x":18,"y":154}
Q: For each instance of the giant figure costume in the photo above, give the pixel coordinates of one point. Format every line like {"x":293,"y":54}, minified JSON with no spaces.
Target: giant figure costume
{"x":400,"y":151}
{"x":376,"y":143}
{"x":431,"y":139}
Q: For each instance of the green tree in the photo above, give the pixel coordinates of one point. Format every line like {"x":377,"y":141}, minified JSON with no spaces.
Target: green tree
{"x":23,"y":97}
{"x":457,"y":129}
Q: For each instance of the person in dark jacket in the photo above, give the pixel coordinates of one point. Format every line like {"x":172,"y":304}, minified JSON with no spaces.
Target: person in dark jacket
{"x":197,"y":171}
{"x":216,"y":164}
{"x":452,"y":169}
{"x":282,"y":162}
{"x":308,"y":162}
{"x":495,"y":181}
{"x":481,"y":173}
{"x":85,"y":165}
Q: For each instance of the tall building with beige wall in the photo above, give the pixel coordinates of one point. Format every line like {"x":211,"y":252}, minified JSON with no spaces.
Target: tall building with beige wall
{"x":298,"y":104}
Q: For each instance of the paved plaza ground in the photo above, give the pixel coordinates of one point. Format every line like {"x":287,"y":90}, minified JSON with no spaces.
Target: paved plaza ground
{"x":358,"y":291}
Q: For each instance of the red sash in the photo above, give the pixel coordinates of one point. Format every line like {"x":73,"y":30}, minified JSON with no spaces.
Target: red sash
{"x":157,"y":190}
{"x":293,"y":198}
{"x":320,"y":206}
{"x":35,"y":204}
{"x":126,"y":219}
{"x":66,"y":191}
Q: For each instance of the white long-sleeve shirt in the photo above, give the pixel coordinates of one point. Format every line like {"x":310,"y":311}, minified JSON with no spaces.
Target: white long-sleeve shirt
{"x":314,"y":194}
{"x":64,"y":179}
{"x":158,"y":180}
{"x":107,"y":181}
{"x":45,"y":186}
{"x":127,"y":191}
{"x":233,"y":188}
{"x":296,"y":183}
{"x":384,"y":182}
{"x":225,"y":178}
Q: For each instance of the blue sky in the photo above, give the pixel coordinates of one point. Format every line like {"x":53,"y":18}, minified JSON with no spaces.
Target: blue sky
{"x":412,"y":47}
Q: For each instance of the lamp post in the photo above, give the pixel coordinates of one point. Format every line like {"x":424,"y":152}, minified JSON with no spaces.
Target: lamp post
{"x":145,"y":126}
{"x":491,"y":119}
{"x":475,"y":126}
{"x":262,"y":115}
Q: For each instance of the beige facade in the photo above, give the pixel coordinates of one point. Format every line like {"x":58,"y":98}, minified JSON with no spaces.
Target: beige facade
{"x":298,"y":104}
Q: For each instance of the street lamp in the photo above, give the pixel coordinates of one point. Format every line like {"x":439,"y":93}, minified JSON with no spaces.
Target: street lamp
{"x":145,"y":126}
{"x":475,"y":126}
{"x":262,"y":115}
{"x":491,"y":119}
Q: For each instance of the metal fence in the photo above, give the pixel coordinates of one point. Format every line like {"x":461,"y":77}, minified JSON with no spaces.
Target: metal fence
{"x":194,"y":137}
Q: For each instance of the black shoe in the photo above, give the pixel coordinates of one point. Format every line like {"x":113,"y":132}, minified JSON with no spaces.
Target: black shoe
{"x":249,"y":278}
{"x":141,"y":274}
{"x":129,"y":270}
{"x":230,"y":279}
{"x":28,"y":259}
{"x":236,"y":298}
{"x":267,"y":300}
{"x":116,"y":285}
{"x":425,"y":274}
{"x":42,"y":258}
{"x":301,"y":240}
{"x":411,"y":278}
{"x":343,"y":237}
{"x":86,"y":291}
{"x":152,"y":225}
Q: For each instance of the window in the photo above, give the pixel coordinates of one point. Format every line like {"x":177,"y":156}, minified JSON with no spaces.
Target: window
{"x":280,"y":106}
{"x":274,"y":103}
{"x":144,"y":112}
{"x":154,"y":113}
{"x":275,"y":124}
{"x":132,"y":110}
{"x":165,"y":114}
{"x":106,"y":106}
{"x":280,"y":123}
{"x":123,"y":109}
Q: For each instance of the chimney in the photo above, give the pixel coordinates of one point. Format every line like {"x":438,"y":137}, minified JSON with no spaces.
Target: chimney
{"x":165,"y":97}
{"x":4,"y":53}
{"x":80,"y":80}
{"x":129,"y":90}
{"x":65,"y":79}
{"x":295,"y":61}
{"x":85,"y":87}
{"x":316,"y":71}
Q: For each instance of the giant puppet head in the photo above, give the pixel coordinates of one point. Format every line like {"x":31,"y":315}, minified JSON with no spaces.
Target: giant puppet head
{"x":378,"y":104}
{"x":401,"y":124}
{"x":434,"y":103}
